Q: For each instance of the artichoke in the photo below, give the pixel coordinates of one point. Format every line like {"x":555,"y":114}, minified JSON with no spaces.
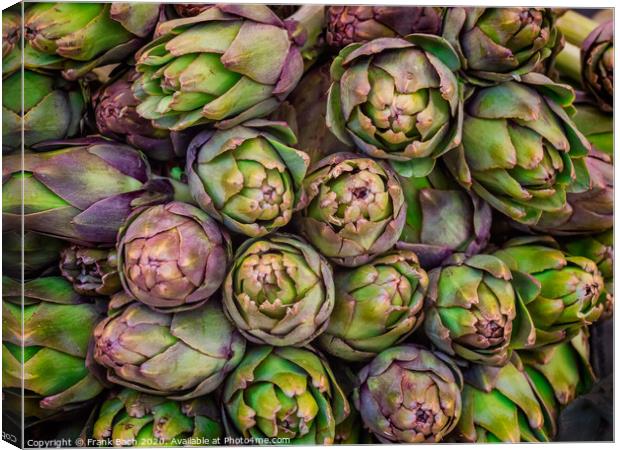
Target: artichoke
{"x":225,"y":66}
{"x":279,"y":291}
{"x":500,"y":44}
{"x":88,"y":35}
{"x":82,"y":192}
{"x":131,"y":418}
{"x":286,"y":393}
{"x":408,"y":394}
{"x":11,"y":30}
{"x":172,"y":257}
{"x":52,"y":109}
{"x":92,"y":271}
{"x":471,"y":309}
{"x":181,"y":355}
{"x":377,"y":306}
{"x":40,"y":253}
{"x":521,"y":152}
{"x":397,"y":99}
{"x":46,"y":330}
{"x":597,"y":65}
{"x":560,"y":293}
{"x":247,"y":177}
{"x":355,"y":208}
{"x":348,"y":24}
{"x":442,"y":218}
{"x":596,"y":126}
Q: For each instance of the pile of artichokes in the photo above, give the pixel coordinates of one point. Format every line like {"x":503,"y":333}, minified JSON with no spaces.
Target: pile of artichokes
{"x":253,"y":224}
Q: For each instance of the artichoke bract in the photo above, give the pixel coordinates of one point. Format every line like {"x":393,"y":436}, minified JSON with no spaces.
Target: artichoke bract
{"x":408,"y":394}
{"x":442,"y":218}
{"x":33,"y":252}
{"x":348,"y":24}
{"x":82,"y":192}
{"x":181,"y":355}
{"x":88,"y":35}
{"x":132,"y":418}
{"x":279,"y":291}
{"x":285,"y":392}
{"x":377,"y":306}
{"x":397,"y":99}
{"x":596,"y":126}
{"x":597,"y":65}
{"x":227,"y":65}
{"x":172,"y":257}
{"x":52,"y":109}
{"x":499,"y":44}
{"x":92,"y":271}
{"x":355,"y":209}
{"x":247,"y":177}
{"x":471,"y":308}
{"x":520,"y":151}
{"x":560,"y":293}
{"x":51,"y":337}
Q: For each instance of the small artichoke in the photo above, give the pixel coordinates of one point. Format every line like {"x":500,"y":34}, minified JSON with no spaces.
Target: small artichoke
{"x":181,"y":355}
{"x":377,"y":306}
{"x":172,"y":257}
{"x":279,"y":291}
{"x":284,"y":392}
{"x":397,"y":99}
{"x":355,"y":208}
{"x":348,"y":24}
{"x":521,"y":152}
{"x":408,"y":394}
{"x":40,"y":253}
{"x":92,"y":271}
{"x":500,"y":44}
{"x":597,"y":65}
{"x":247,"y":177}
{"x":131,"y":418}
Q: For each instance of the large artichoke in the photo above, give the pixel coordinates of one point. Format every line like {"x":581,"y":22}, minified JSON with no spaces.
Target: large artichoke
{"x":92,"y":271}
{"x":33,"y":252}
{"x":247,"y":177}
{"x":52,"y":109}
{"x":172,"y":257}
{"x":597,"y":65}
{"x":377,"y":306}
{"x":131,"y":418}
{"x":397,"y":99}
{"x":82,"y":192}
{"x":499,"y":44}
{"x":471,"y":309}
{"x":355,"y":208}
{"x":181,"y":355}
{"x":348,"y":24}
{"x":442,"y":218}
{"x":284,"y":393}
{"x":46,"y":330}
{"x":561,"y":293}
{"x":408,"y":394}
{"x":521,"y":152}
{"x":280,"y":291}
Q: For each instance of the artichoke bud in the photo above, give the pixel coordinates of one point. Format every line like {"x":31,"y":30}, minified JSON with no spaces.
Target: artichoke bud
{"x":11,"y":31}
{"x":92,"y":271}
{"x":597,"y":65}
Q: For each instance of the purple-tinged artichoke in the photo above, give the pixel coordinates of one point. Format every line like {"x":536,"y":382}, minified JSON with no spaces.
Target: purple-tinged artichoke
{"x":408,"y":394}
{"x":172,"y":257}
{"x":355,"y":208}
{"x":11,"y":31}
{"x":181,"y":356}
{"x":597,"y":65}
{"x":92,"y":271}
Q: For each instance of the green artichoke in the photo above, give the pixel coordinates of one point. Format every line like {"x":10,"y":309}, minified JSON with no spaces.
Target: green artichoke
{"x":45,"y":338}
{"x":377,"y":306}
{"x":172,"y":257}
{"x":279,"y":291}
{"x":247,"y":177}
{"x":597,"y":65}
{"x":355,"y":208}
{"x":131,"y":418}
{"x":560,"y":293}
{"x":52,"y":109}
{"x":284,"y":393}
{"x":182,"y":355}
{"x":596,"y":126}
{"x":471,"y":309}
{"x":408,"y":394}
{"x":40,"y":253}
{"x":92,"y":271}
{"x":397,"y":99}
{"x":499,"y":44}
{"x":521,"y":152}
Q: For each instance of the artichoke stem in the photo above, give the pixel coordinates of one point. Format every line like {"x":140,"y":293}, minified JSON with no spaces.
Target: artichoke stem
{"x":311,"y":21}
{"x":568,"y":62}
{"x":181,"y":191}
{"x":575,"y":27}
